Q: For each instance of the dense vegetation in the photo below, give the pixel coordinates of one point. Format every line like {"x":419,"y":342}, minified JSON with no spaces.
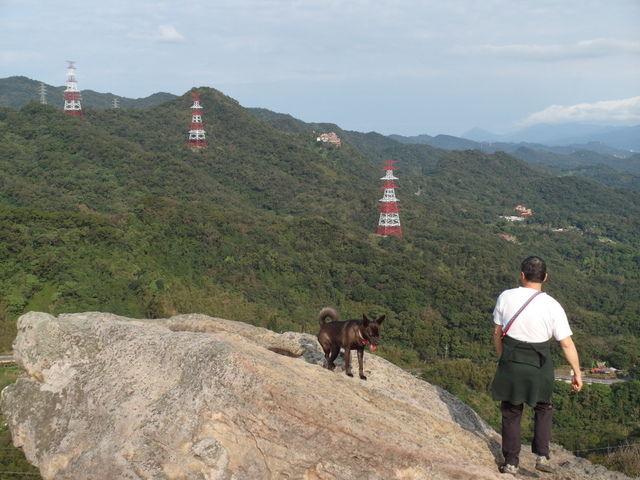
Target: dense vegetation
{"x":16,"y":92}
{"x":115,"y":213}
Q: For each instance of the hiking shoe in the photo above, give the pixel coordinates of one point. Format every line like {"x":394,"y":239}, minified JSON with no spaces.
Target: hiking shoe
{"x":507,"y":468}
{"x":544,"y":465}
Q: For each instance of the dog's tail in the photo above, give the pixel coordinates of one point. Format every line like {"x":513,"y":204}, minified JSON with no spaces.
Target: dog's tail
{"x":327,"y":312}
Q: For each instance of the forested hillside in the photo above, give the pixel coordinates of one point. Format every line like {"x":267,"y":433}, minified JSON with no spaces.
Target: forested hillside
{"x":115,"y":213}
{"x":18,"y":91}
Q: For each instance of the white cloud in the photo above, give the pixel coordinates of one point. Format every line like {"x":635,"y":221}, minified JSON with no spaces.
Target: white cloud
{"x":600,"y":47}
{"x":624,"y":110}
{"x":168,"y":33}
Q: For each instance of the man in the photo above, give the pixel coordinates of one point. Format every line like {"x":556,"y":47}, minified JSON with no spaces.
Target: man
{"x":525,"y":370}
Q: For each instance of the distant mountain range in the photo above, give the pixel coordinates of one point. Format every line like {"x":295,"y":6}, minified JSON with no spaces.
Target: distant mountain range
{"x":627,"y":138}
{"x":615,"y":167}
{"x":449,"y":142}
{"x":619,"y":141}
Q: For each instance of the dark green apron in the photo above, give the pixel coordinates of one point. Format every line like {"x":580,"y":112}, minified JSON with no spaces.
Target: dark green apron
{"x":525,"y":373}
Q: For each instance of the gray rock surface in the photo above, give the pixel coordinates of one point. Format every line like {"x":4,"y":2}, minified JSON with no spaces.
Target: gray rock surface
{"x":195,"y":397}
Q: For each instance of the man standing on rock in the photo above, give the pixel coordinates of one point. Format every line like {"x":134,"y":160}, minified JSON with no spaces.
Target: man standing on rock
{"x":525,"y":320}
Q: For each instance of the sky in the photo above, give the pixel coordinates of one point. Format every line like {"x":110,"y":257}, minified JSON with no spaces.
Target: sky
{"x":405,"y":67}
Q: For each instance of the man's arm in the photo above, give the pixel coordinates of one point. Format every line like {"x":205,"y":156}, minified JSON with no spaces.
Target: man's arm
{"x":571,"y":354}
{"x":497,"y":338}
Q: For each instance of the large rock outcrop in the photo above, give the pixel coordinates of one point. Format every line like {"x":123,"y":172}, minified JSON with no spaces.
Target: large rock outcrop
{"x":195,"y":397}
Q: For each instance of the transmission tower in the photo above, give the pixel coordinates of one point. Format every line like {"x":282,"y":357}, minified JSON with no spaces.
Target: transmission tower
{"x":72,"y":94}
{"x":43,"y":93}
{"x":196,"y":132}
{"x":389,"y":223}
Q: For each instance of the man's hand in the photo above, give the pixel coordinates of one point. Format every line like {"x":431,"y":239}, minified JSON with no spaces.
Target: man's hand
{"x":576,"y":381}
{"x":571,"y":354}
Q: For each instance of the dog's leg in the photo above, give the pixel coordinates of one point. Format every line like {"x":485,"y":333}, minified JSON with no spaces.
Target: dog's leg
{"x":327,"y":358}
{"x":331,"y":356}
{"x":347,"y":362}
{"x":361,"y":363}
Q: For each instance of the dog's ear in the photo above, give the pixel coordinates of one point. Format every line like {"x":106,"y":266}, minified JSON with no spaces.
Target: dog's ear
{"x":381,"y":319}
{"x":365,"y":320}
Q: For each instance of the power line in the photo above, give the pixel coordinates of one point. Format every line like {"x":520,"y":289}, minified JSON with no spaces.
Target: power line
{"x":618,"y":447}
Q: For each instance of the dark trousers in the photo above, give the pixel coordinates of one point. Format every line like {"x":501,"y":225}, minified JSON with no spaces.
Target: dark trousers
{"x":511,"y":430}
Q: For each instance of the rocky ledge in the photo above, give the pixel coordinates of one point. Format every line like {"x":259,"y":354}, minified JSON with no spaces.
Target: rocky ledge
{"x":195,"y":397}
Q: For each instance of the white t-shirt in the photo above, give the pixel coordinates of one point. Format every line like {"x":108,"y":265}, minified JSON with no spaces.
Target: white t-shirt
{"x":542,"y":319}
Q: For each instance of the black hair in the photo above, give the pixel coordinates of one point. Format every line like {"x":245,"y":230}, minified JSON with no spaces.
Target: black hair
{"x":534,"y":269}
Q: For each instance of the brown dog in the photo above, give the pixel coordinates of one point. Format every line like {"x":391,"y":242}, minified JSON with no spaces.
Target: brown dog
{"x":350,"y":335}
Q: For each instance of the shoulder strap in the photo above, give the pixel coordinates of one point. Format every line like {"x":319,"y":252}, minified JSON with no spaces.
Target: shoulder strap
{"x":510,"y":322}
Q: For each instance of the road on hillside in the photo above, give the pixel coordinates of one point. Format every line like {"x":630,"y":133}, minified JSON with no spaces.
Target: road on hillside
{"x":585,"y":379}
{"x":6,"y":359}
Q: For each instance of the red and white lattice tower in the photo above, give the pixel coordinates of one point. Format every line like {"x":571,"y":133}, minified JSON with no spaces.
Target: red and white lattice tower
{"x":72,"y":94}
{"x":196,"y":133}
{"x":389,"y":223}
